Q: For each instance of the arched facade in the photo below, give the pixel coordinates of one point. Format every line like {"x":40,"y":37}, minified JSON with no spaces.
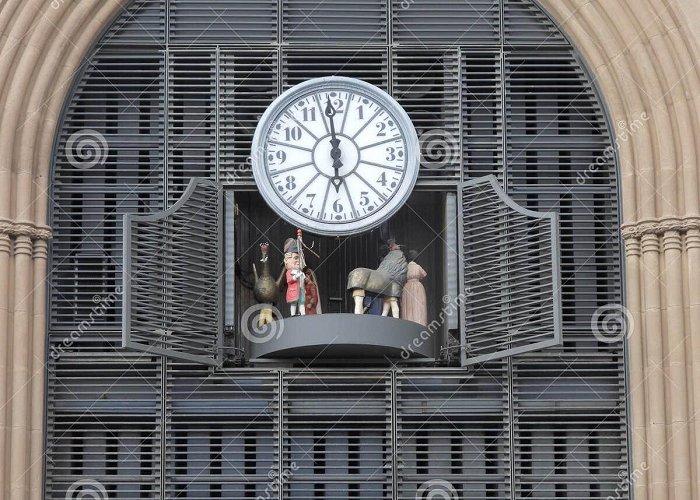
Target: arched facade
{"x":643,"y":56}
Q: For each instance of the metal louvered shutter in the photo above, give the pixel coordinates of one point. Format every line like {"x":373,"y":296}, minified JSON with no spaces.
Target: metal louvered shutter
{"x":334,"y":21}
{"x":511,"y":298}
{"x":452,"y":431}
{"x":104,"y":426}
{"x":426,"y":84}
{"x":337,"y":435}
{"x":173,"y":280}
{"x":222,"y":433}
{"x":222,"y":21}
{"x":109,"y":163}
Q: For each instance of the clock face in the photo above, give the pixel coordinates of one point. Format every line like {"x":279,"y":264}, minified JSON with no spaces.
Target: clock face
{"x":335,"y":156}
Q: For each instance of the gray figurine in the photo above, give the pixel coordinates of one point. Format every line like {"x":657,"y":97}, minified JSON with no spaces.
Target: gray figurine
{"x":387,"y":280}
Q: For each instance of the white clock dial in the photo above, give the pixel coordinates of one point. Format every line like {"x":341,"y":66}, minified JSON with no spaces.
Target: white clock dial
{"x":335,"y":155}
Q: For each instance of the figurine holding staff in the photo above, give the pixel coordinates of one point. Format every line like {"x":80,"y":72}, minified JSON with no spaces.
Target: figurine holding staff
{"x":294,"y":276}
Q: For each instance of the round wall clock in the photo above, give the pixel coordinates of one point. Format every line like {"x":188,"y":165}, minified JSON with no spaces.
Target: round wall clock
{"x":335,"y":156}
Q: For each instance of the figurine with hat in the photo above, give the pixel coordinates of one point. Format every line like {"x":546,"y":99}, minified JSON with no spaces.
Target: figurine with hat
{"x":294,"y":277}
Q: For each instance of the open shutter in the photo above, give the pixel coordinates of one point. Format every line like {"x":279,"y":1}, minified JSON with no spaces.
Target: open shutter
{"x":512,"y":299}
{"x":173,"y":284}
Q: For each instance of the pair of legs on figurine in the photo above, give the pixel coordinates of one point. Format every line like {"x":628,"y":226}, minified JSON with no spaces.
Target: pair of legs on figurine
{"x":389,"y":304}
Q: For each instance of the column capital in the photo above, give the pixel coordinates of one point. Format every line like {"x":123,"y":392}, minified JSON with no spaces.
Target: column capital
{"x":660,"y":226}
{"x":33,"y":231}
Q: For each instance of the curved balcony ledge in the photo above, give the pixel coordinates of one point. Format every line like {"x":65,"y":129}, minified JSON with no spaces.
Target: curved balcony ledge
{"x":350,"y":338}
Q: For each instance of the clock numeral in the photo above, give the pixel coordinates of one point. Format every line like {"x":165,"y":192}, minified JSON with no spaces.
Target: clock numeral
{"x":291,"y":182}
{"x":309,"y":114}
{"x":382,"y":180}
{"x":391,"y":153}
{"x":311,"y":199}
{"x":360,"y":113}
{"x":364,"y":200}
{"x":381,"y":126}
{"x":337,"y":207}
{"x":292,"y":133}
{"x":338,"y":105}
{"x":281,"y":156}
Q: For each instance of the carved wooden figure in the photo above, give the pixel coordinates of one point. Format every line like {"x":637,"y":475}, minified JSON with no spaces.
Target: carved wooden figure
{"x":387,"y":280}
{"x":414,"y":302}
{"x":266,"y":288}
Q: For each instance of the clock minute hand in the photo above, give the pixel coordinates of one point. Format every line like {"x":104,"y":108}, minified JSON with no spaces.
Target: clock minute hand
{"x":337,"y":180}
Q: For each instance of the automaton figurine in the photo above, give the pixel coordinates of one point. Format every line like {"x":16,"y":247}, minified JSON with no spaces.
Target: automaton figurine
{"x":414,"y":303}
{"x":294,"y":277}
{"x":266,"y":289}
{"x":387,"y":280}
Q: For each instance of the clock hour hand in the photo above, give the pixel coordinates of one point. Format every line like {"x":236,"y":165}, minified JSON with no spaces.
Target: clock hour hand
{"x":337,"y":180}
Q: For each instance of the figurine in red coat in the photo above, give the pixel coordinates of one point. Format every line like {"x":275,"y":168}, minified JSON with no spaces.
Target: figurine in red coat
{"x":294,"y":277}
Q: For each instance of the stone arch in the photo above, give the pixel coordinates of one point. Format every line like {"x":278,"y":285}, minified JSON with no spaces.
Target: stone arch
{"x":642,"y":54}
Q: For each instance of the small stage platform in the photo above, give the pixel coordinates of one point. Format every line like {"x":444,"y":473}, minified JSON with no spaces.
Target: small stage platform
{"x":342,"y":338}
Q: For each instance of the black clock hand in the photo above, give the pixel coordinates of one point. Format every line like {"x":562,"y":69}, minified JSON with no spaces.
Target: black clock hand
{"x":337,"y":180}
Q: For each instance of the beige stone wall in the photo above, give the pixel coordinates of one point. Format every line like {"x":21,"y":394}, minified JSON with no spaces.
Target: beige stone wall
{"x":643,"y":54}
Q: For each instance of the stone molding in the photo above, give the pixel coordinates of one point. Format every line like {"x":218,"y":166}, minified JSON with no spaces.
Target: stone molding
{"x":659,"y":227}
{"x":15,"y":229}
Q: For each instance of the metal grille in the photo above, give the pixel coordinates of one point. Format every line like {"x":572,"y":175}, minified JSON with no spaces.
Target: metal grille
{"x":173,"y":281}
{"x":511,"y":275}
{"x":175,"y":89}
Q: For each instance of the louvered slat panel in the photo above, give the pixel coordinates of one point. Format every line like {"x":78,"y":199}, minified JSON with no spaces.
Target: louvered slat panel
{"x":173,"y":277}
{"x":337,"y":435}
{"x":556,"y":125}
{"x":222,"y":433}
{"x":108,"y":163}
{"x":248,"y":84}
{"x":450,"y":22}
{"x":452,"y":434}
{"x":104,"y":427}
{"x":426,"y":84}
{"x":524,"y":23}
{"x":511,"y":275}
{"x":334,"y":21}
{"x":590,"y":251}
{"x":142,"y":22}
{"x":368,"y":65}
{"x":482,"y":114}
{"x":223,"y":21}
{"x":191,"y":118}
{"x":569,"y":417}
